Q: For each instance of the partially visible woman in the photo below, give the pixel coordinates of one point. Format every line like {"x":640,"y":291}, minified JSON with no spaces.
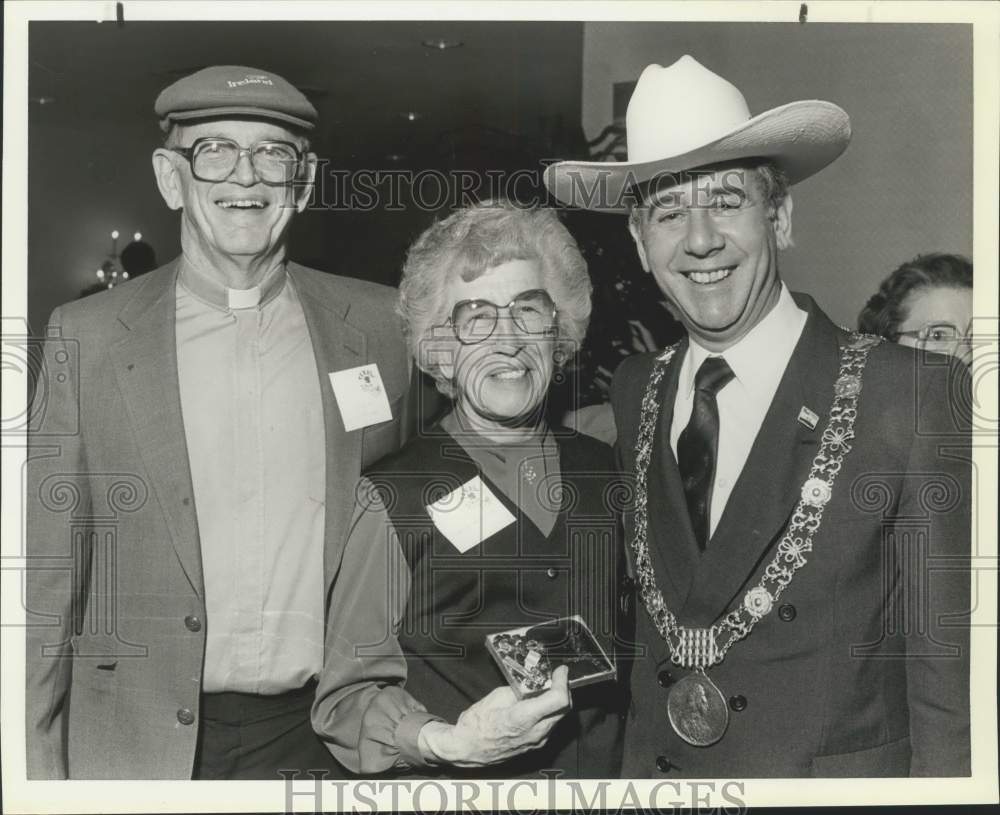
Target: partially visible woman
{"x":492,"y":520}
{"x":926,"y":303}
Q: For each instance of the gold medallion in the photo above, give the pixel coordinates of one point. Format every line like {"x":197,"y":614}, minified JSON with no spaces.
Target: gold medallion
{"x":697,"y":710}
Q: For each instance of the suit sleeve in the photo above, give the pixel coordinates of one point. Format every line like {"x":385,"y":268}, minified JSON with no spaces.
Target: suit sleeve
{"x":368,"y":721}
{"x":56,"y":571}
{"x":938,"y":487}
{"x":627,"y":385}
{"x":625,"y":408}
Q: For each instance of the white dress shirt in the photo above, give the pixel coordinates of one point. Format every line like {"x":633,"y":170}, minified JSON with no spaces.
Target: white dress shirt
{"x":253,"y":420}
{"x":758,"y":361}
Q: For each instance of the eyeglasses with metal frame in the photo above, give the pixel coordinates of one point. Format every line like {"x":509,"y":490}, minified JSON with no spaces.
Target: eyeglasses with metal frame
{"x":532,"y":311}
{"x":935,"y":332}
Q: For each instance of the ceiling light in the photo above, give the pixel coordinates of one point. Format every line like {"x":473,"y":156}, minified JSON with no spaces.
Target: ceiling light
{"x":441,"y":44}
{"x":411,"y":115}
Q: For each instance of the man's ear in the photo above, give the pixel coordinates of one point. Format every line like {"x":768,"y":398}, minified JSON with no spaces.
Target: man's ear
{"x":636,"y":232}
{"x":167,"y":178}
{"x":304,"y":186}
{"x":783,"y":223}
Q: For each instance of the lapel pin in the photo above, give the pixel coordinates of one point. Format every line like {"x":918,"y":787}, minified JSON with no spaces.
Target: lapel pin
{"x":807,"y":418}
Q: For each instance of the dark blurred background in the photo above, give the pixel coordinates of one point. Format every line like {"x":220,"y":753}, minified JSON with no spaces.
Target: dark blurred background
{"x":502,"y":97}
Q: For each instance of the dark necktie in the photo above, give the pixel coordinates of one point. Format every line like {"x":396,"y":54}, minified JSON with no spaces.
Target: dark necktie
{"x":698,"y":444}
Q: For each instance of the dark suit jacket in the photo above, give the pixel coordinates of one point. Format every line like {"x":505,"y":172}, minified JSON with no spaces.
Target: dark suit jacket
{"x":115,"y":566}
{"x":861,"y":669}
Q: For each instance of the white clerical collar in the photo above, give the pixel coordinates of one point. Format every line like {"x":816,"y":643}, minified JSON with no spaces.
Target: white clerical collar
{"x":209,"y":290}
{"x":759,"y":358}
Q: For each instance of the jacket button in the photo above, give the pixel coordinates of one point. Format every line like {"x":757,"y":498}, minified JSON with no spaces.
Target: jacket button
{"x":738,"y":703}
{"x":551,"y":573}
{"x":663,"y":764}
{"x":185,"y":716}
{"x":787,"y":612}
{"x":192,"y":623}
{"x":665,"y":679}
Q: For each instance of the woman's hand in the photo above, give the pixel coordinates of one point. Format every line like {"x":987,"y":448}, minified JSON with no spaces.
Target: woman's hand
{"x":497,"y":727}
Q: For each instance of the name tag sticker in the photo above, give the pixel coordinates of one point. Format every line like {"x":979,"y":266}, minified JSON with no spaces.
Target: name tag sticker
{"x":469,"y":515}
{"x":360,"y":396}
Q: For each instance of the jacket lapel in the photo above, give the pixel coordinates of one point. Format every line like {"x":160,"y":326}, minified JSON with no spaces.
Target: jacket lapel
{"x":673,"y":547}
{"x":337,"y":345}
{"x":770,"y":483}
{"x":145,"y":364}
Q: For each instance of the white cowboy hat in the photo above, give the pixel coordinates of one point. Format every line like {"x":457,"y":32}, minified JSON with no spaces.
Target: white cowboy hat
{"x":684,"y":116}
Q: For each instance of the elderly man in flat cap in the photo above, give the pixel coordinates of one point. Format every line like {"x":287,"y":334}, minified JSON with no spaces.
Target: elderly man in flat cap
{"x":210,"y":431}
{"x":800,"y":534}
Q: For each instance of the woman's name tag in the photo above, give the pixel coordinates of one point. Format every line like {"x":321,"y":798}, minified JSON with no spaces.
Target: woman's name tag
{"x":470,"y":514}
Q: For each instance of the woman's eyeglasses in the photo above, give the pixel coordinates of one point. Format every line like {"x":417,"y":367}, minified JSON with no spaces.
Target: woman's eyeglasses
{"x":474,"y":321}
{"x":936,"y":332}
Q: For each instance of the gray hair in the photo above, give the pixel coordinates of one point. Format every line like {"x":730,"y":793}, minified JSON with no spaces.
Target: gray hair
{"x":475,"y":239}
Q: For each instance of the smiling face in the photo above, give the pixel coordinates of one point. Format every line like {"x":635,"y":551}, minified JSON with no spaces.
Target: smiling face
{"x":501,"y":381}
{"x":712,"y":245}
{"x":239,"y":219}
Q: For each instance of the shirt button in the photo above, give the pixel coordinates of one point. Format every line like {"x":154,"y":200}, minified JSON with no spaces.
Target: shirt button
{"x":738,"y":703}
{"x":663,"y":764}
{"x":787,"y":612}
{"x":665,"y":679}
{"x":551,"y":573}
{"x":185,"y":716}
{"x":192,"y":623}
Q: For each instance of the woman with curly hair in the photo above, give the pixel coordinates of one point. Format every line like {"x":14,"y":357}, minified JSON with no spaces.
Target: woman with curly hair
{"x":490,"y":521}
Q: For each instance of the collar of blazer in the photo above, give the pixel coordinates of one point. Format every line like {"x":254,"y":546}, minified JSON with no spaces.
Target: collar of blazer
{"x":144,"y":360}
{"x":145,"y":364}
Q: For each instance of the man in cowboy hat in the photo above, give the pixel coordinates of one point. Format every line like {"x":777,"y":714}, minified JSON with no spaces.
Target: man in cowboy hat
{"x":210,"y":431}
{"x":801,"y":527}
